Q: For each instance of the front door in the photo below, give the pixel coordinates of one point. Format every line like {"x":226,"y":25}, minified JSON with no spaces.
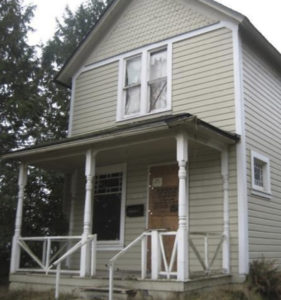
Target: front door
{"x":163,"y":203}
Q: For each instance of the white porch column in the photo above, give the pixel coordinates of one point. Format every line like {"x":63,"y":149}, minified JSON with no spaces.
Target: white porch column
{"x":15,"y":257}
{"x":85,"y":250}
{"x":183,"y":226}
{"x":225,"y":178}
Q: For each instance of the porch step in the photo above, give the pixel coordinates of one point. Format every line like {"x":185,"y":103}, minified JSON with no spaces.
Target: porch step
{"x":102,"y":293}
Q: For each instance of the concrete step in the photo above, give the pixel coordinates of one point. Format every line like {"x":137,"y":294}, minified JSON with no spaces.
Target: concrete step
{"x":101,"y":293}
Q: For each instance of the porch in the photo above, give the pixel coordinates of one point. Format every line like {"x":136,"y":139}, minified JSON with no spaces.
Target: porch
{"x":195,"y":243}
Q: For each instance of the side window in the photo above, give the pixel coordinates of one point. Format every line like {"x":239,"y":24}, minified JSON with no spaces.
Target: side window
{"x":260,"y":168}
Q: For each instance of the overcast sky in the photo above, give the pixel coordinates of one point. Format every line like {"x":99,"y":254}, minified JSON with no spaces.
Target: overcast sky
{"x":264,"y":14}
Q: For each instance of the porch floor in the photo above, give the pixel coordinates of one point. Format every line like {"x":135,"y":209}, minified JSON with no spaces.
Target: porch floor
{"x":157,"y":289}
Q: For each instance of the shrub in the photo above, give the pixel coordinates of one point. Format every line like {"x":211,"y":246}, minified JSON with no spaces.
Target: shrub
{"x":265,"y":279}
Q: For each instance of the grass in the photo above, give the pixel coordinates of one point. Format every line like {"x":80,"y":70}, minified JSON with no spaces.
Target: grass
{"x":5,"y":294}
{"x":30,"y":295}
{"x":235,"y":292}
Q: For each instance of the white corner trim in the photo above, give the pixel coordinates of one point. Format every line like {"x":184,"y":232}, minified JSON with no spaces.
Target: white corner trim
{"x":241,"y":160}
{"x":70,"y":119}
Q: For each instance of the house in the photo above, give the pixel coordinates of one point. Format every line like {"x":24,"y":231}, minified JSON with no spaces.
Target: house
{"x":172,"y":155}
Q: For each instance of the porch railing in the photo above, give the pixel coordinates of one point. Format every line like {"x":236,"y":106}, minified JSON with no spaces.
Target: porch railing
{"x":161,"y":264}
{"x":52,"y":248}
{"x":76,"y":247}
{"x":206,"y":262}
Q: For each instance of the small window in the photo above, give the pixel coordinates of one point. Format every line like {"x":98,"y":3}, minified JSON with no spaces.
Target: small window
{"x":260,"y":175}
{"x":108,"y":216}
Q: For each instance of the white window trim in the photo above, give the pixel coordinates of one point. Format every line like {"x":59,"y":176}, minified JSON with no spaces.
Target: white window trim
{"x":265,"y":191}
{"x":115,"y":245}
{"x":120,"y":116}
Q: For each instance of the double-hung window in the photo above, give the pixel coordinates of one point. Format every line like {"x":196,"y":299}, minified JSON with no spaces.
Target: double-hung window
{"x":144,"y":83}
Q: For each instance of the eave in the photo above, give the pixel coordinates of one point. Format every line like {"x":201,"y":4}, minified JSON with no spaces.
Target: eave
{"x":197,"y":130}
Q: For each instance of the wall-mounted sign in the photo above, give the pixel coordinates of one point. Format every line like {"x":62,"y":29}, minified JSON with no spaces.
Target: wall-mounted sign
{"x":135,"y":210}
{"x":157,"y":182}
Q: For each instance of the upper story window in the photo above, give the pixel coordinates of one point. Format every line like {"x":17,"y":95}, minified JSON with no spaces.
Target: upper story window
{"x":260,"y":167}
{"x":144,"y":84}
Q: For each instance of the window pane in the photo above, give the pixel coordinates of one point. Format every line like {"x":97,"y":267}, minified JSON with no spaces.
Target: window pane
{"x":107,"y":217}
{"x":258,"y":172}
{"x":133,"y":71}
{"x":132,"y":105}
{"x":158,"y":64}
{"x":158,"y":95}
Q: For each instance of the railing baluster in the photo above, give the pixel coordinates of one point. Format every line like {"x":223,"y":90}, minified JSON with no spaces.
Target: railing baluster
{"x":173,"y":256}
{"x":93,"y":256}
{"x":163,"y":254}
{"x":144,"y":257}
{"x":57,"y":281}
{"x":44,"y":252}
{"x":155,"y":255}
{"x":206,"y":246}
{"x":111,"y":278}
{"x":48,"y":254}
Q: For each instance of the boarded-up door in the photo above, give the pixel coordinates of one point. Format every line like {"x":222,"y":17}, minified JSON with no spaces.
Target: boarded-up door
{"x":163,"y":197}
{"x":163,"y":202}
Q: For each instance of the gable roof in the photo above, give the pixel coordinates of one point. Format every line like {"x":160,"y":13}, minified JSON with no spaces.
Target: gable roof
{"x":85,"y":47}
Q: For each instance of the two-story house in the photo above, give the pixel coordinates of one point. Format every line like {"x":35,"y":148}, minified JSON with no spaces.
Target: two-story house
{"x":173,"y":154}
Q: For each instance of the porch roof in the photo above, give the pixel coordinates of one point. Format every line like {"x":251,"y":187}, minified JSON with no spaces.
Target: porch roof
{"x":167,"y":125}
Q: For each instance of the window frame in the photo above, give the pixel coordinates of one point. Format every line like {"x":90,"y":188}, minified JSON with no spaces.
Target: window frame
{"x":115,"y":244}
{"x":144,"y":90}
{"x":257,"y":190}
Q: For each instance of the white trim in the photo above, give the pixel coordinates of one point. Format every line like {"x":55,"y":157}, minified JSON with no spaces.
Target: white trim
{"x":70,"y":119}
{"x":241,"y":162}
{"x":115,"y":245}
{"x":258,"y":190}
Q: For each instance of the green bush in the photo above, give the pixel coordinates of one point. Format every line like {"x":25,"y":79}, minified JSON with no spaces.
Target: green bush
{"x":265,"y":279}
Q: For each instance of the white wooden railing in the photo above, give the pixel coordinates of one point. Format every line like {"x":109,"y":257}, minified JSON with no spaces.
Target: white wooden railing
{"x":90,"y":239}
{"x":160,"y":264}
{"x":52,"y":249}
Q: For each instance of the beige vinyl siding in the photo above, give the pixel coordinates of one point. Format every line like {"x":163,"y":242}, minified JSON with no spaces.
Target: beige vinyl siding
{"x":262,"y":93}
{"x":202,"y":84}
{"x":203,"y":78}
{"x":206,"y":201}
{"x":144,"y":22}
{"x":95,"y":100}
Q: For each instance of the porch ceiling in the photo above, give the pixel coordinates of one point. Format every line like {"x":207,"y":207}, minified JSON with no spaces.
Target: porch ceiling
{"x":150,"y":134}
